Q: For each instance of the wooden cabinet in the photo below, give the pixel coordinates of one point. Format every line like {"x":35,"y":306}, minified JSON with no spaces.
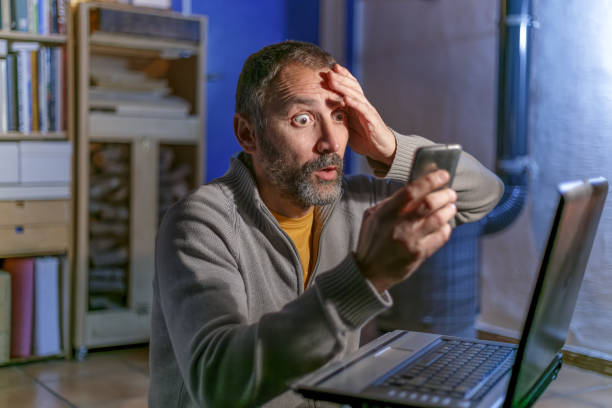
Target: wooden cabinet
{"x":35,"y":210}
{"x":140,"y":146}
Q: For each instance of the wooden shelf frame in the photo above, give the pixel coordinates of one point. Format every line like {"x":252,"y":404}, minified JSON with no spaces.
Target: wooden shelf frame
{"x":12,"y":136}
{"x":66,"y":40}
{"x":130,"y":325}
{"x":50,"y":39}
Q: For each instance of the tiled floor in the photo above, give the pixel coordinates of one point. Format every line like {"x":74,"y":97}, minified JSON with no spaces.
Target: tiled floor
{"x":119,"y":379}
{"x":105,"y":379}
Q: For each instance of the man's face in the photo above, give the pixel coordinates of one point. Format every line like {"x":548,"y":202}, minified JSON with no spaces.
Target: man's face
{"x":301,"y":151}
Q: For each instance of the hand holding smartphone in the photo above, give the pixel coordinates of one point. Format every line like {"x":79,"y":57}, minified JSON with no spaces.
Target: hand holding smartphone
{"x":435,"y":157}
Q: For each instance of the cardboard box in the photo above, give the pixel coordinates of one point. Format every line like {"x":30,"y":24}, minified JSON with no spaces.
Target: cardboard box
{"x":9,"y":162}
{"x":45,"y":162}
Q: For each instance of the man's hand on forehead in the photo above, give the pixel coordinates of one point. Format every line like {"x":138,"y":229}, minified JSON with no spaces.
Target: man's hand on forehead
{"x":369,"y":135}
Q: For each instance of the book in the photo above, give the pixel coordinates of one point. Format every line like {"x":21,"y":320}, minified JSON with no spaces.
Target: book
{"x":5,"y":316}
{"x":19,"y":15}
{"x":5,"y":15}
{"x":54,"y":14}
{"x":3,"y":87}
{"x":151,"y":109}
{"x":141,"y":24}
{"x":65,"y":310}
{"x":11,"y":90}
{"x":61,"y":16}
{"x":32,"y":10}
{"x":57,"y":100}
{"x":43,"y":89}
{"x":22,"y":297}
{"x":60,"y":95}
{"x":46,"y":330}
{"x":109,"y":125}
{"x":44,"y":17}
{"x":53,"y":87}
{"x":24,"y":83}
{"x":34,"y":90}
{"x":161,"y":4}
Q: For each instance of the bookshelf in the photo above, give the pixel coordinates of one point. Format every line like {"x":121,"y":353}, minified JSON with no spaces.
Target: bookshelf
{"x":36,"y":165}
{"x":139,"y":147}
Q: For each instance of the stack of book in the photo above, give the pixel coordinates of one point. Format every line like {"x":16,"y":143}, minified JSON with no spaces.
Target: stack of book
{"x":30,"y":307}
{"x":108,"y":225}
{"x":37,"y":16}
{"x":32,"y":82}
{"x":117,"y":88}
{"x":141,"y":24}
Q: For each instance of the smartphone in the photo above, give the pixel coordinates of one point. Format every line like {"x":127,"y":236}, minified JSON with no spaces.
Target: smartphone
{"x":435,"y":157}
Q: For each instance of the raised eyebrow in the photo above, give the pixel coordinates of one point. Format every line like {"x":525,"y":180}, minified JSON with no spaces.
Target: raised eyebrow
{"x":296,"y":101}
{"x":331,"y":102}
{"x":336,"y":102}
{"x":300,"y":101}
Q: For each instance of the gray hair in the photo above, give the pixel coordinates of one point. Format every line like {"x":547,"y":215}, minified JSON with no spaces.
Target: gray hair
{"x":262,"y":68}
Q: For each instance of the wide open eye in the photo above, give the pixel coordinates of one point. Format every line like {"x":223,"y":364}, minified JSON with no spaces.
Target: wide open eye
{"x":339,"y":115}
{"x":302,"y":119}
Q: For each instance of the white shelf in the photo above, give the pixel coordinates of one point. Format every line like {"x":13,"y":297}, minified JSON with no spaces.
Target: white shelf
{"x":108,"y":126}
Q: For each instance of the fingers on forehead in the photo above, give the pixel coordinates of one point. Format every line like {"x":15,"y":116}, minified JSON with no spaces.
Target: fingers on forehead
{"x":344,"y":71}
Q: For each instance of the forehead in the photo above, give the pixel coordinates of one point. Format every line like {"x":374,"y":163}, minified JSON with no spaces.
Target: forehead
{"x":300,"y":84}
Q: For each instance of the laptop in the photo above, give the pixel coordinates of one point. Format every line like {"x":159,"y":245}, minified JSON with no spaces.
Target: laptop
{"x":414,"y":369}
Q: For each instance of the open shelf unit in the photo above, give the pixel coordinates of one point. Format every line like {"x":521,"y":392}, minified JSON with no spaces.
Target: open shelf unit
{"x":36,"y":217}
{"x":133,"y":159}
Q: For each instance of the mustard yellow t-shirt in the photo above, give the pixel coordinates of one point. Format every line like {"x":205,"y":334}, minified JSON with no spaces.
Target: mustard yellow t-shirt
{"x":300,"y":230}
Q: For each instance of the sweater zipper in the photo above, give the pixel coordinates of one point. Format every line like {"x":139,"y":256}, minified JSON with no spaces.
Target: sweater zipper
{"x":311,"y":278}
{"x":296,"y":256}
{"x":289,"y":241}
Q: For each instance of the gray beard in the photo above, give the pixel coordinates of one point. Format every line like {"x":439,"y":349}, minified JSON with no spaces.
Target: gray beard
{"x":298,"y":183}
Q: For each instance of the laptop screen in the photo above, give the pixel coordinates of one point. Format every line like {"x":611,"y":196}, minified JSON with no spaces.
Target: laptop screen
{"x":561,"y":273}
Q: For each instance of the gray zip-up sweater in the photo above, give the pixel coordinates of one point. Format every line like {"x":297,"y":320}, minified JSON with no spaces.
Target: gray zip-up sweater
{"x":231,"y":323}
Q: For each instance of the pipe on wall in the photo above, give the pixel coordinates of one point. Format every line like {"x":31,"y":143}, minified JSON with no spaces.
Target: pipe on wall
{"x":515,"y":27}
{"x":443,"y":295}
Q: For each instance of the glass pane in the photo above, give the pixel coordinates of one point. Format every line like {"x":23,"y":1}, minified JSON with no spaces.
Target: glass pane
{"x":109,"y":216}
{"x":177,"y":167}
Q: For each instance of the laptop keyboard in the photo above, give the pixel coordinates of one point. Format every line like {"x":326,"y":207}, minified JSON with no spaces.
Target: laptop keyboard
{"x":452,"y":370}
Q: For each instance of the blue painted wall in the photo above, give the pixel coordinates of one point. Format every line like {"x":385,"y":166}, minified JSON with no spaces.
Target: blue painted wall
{"x":237,"y":28}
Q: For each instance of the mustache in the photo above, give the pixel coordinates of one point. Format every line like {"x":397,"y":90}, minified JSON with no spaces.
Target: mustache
{"x":330,"y":159}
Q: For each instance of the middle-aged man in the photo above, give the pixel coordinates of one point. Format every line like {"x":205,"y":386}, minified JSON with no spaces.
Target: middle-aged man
{"x":270,"y":271}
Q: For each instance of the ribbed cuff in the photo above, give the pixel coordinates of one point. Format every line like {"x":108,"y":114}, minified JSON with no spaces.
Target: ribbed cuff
{"x":353,"y":297}
{"x":404,"y":155}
